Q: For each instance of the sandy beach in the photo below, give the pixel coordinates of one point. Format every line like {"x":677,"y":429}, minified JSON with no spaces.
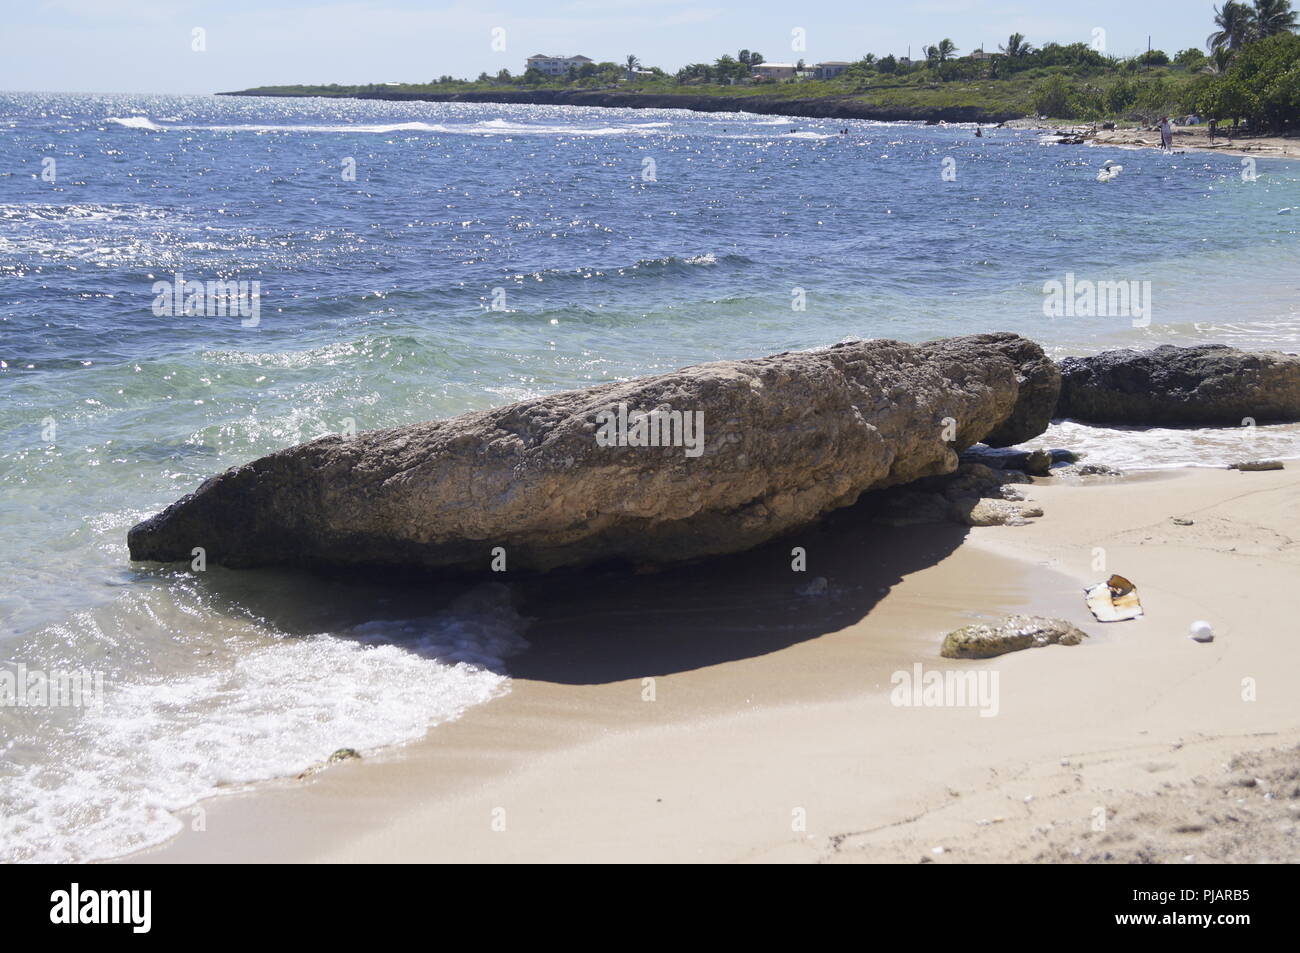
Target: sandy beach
{"x":1198,"y":137}
{"x":1185,"y":137}
{"x":715,"y":714}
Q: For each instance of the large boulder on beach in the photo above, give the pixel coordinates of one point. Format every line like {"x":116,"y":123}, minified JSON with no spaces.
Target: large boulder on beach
{"x":563,"y":480}
{"x":1204,"y":384}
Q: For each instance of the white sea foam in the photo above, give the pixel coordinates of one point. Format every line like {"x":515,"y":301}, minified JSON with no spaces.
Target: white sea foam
{"x":1158,"y":448}
{"x":136,"y":122}
{"x":498,"y":127}
{"x":372,"y":128}
{"x":502,"y":127}
{"x":121,"y":778}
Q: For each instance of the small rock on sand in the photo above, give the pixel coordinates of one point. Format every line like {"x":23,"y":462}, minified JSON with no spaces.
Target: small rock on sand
{"x":999,"y":513}
{"x":1039,"y":463}
{"x":1009,"y":635}
{"x":1252,"y":465}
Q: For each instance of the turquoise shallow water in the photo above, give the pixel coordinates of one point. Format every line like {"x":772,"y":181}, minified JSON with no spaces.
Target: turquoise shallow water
{"x":480,"y":254}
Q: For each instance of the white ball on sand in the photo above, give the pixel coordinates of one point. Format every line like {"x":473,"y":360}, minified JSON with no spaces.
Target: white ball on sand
{"x":1202,"y":632}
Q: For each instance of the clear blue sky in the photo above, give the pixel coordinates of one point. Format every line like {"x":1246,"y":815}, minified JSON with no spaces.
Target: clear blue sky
{"x":145,"y":45}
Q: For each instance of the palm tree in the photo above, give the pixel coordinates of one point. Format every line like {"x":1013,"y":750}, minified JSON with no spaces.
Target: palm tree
{"x":1016,"y":46}
{"x":632,"y":62}
{"x":1219,"y":61}
{"x":1273,"y":16}
{"x":947,"y":50}
{"x":1236,"y":23}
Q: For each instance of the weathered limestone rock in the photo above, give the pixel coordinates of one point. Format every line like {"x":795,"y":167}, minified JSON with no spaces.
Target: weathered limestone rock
{"x":1204,"y":384}
{"x":785,"y":439}
{"x":1039,"y":392}
{"x":1009,"y":635}
{"x":974,"y":495}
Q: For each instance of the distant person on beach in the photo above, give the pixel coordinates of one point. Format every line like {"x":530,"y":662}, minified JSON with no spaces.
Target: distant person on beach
{"x":1214,"y":127}
{"x":1166,"y":134}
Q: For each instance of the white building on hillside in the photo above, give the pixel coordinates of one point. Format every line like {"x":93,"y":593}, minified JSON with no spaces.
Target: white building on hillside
{"x":555,"y":65}
{"x":773,"y":70}
{"x":778,"y":71}
{"x":831,"y":68}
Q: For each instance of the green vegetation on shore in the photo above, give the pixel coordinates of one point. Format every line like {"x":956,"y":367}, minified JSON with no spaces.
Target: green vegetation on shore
{"x":1251,"y":73}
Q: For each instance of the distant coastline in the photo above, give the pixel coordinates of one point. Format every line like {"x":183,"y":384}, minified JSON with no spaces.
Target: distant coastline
{"x":809,"y":108}
{"x":1244,"y":81}
{"x":821,"y":107}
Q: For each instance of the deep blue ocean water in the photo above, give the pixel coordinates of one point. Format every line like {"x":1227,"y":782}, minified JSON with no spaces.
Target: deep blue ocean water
{"x":479,"y":254}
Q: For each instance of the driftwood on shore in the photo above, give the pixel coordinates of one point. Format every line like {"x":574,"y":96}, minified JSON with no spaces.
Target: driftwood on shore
{"x":735,"y":453}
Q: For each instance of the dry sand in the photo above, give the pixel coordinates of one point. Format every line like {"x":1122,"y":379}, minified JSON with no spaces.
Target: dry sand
{"x":772,"y":736}
{"x":1198,"y":137}
{"x":1185,"y":137}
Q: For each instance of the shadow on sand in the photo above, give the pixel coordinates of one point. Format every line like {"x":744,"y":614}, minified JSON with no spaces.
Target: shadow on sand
{"x":607,"y":625}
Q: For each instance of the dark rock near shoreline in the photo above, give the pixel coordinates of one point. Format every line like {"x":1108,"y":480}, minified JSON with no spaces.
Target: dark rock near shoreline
{"x":1204,"y":384}
{"x":1035,"y":462}
{"x":786,"y":439}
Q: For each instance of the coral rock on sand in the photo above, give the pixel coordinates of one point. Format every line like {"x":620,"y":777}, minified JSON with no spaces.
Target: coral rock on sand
{"x":1204,"y":384}
{"x":1009,"y":635}
{"x":785,"y":439}
{"x":999,"y":513}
